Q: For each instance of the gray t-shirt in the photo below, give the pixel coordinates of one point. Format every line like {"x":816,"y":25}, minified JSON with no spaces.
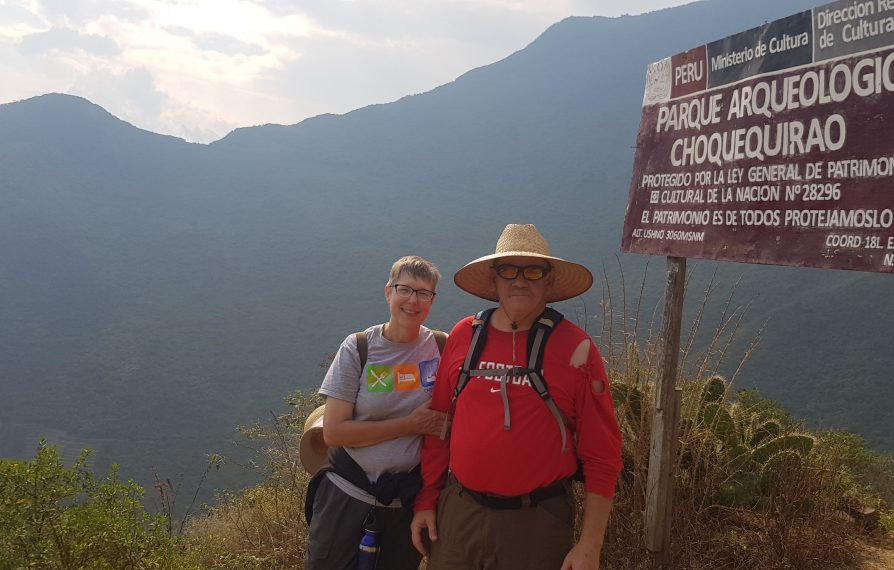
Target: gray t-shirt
{"x":397,"y":378}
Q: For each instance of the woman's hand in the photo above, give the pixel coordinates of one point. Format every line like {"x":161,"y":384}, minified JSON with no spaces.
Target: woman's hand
{"x":426,"y":421}
{"x":339,"y":427}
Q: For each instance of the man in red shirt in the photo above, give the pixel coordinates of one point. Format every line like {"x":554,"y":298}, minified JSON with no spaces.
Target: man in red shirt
{"x":496,"y":491}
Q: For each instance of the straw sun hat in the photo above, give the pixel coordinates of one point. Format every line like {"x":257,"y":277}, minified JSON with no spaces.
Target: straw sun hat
{"x":570,"y":279}
{"x":312,"y":450}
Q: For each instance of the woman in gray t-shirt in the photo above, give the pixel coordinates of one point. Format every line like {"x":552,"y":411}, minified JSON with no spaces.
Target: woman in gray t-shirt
{"x":378,"y":413}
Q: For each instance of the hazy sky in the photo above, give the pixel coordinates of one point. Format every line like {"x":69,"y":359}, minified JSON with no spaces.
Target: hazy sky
{"x":200,"y":68}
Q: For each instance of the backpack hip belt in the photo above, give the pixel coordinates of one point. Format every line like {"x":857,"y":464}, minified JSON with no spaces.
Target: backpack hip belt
{"x":527,"y":500}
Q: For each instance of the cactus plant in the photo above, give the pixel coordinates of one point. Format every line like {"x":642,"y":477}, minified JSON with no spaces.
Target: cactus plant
{"x":767,"y":430}
{"x":800,"y":443}
{"x":714,"y":390}
{"x":778,"y":468}
{"x":717,"y":418}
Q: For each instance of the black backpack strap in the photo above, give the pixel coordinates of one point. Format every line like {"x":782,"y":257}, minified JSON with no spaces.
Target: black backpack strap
{"x":543,"y":327}
{"x":539,"y":384}
{"x":476,"y":346}
{"x":311,"y":492}
{"x":347,"y":468}
{"x":362,"y":348}
{"x":363,"y":344}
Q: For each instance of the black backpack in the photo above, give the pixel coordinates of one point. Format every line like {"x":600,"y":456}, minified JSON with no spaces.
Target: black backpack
{"x":537,"y":337}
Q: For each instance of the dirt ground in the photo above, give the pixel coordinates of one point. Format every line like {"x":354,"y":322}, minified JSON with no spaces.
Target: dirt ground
{"x":879,"y":555}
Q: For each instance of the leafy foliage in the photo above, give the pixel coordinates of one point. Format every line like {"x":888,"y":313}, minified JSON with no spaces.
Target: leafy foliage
{"x":55,"y":517}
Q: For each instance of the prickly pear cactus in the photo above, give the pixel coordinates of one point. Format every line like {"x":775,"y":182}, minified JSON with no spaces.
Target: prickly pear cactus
{"x":767,"y":430}
{"x":778,"y":469}
{"x":714,"y":390}
{"x":717,"y":418}
{"x":799,"y":443}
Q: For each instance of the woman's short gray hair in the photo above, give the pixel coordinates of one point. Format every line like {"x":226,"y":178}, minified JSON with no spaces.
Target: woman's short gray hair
{"x":417,"y":267}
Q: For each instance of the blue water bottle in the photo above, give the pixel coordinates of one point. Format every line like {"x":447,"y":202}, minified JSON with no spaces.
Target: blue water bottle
{"x":369,"y":550}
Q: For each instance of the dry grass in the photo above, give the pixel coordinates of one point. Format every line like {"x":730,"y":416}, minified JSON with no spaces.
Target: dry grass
{"x":262,"y":526}
{"x":735,"y":505}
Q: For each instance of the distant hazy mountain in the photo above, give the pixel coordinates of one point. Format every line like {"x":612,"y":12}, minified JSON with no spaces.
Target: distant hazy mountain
{"x":154,"y":293}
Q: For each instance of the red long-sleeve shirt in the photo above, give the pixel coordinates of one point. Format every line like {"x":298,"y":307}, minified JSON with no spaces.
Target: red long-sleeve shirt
{"x":486,"y":457}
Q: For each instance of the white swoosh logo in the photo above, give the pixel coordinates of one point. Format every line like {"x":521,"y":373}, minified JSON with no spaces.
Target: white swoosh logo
{"x":494,"y":390}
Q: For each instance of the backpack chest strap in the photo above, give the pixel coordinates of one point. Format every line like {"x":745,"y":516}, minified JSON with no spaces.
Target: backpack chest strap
{"x":541,"y":330}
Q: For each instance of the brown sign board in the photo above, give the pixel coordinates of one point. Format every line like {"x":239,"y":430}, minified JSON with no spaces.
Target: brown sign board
{"x":775,"y":145}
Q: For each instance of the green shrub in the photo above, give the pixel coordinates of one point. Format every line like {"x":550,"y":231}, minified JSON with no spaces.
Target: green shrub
{"x":53,"y":517}
{"x":887,"y":520}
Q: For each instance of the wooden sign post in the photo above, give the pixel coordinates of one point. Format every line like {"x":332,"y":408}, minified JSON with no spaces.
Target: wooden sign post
{"x":663,"y":450}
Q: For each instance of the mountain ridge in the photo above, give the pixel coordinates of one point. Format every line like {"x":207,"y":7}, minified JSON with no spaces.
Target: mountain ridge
{"x":163,"y":291}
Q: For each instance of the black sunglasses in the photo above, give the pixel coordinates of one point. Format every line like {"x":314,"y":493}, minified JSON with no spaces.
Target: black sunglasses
{"x":529,"y":272}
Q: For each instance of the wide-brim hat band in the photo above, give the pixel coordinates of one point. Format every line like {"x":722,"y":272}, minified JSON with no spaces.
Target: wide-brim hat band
{"x":523,"y":240}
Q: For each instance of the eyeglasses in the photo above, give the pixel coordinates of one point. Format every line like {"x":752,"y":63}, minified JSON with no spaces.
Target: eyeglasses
{"x":405,"y":292}
{"x":529,"y":272}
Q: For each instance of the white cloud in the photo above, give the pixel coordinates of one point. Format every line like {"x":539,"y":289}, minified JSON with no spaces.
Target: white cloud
{"x":13,"y":17}
{"x":133,"y":92}
{"x":135,"y":97}
{"x":66,"y":41}
{"x":80,"y":12}
{"x":198,"y":68}
{"x":227,"y":45}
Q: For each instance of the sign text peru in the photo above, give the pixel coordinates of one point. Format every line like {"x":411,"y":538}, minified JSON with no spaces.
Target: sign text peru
{"x":775,"y":145}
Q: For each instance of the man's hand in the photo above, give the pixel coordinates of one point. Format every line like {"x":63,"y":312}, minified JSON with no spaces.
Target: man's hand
{"x":581,"y":557}
{"x":422,"y":521}
{"x":585,"y":554}
{"x":426,"y":421}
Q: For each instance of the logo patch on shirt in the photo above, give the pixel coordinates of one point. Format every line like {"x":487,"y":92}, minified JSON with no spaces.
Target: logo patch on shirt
{"x":407,"y":377}
{"x":427,"y":371}
{"x":379,"y":378}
